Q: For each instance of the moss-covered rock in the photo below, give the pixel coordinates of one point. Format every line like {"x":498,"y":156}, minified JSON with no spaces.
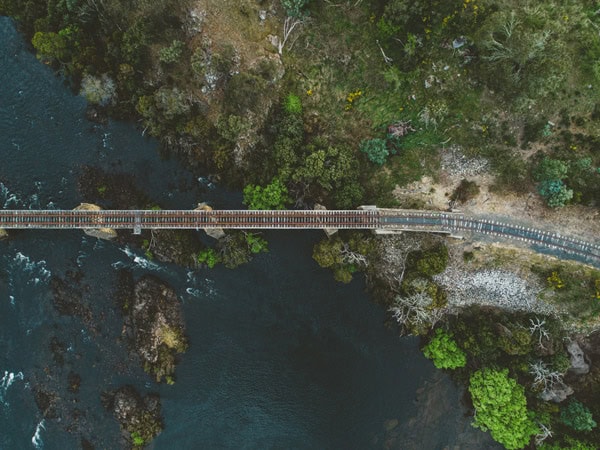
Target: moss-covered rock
{"x":154,"y":325}
{"x":139,"y":417}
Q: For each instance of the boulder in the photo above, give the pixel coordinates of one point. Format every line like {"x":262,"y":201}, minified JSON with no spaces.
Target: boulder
{"x":578,"y":364}
{"x":558,"y":393}
{"x":3,"y":234}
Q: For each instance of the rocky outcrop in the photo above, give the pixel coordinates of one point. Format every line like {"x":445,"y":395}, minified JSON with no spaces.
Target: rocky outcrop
{"x":175,"y":246}
{"x":578,"y":364}
{"x":154,"y":326}
{"x":139,"y":417}
{"x":557,"y":393}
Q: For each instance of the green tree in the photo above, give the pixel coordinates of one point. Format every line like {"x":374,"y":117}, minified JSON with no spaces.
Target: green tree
{"x":578,"y":417}
{"x":444,"y":351}
{"x":50,"y":45}
{"x":375,"y":149}
{"x":501,"y":408}
{"x":272,"y":196}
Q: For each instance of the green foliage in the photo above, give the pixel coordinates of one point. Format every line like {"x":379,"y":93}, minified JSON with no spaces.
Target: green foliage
{"x":256,"y":244}
{"x":272,"y":196}
{"x":172,"y":53}
{"x":237,"y":248}
{"x":293,"y":104}
{"x":295,"y":8}
{"x":137,"y":439}
{"x":343,"y":257}
{"x":50,"y":45}
{"x":578,"y":417}
{"x":555,"y":193}
{"x":551,"y":169}
{"x":569,"y":444}
{"x":375,"y":149}
{"x":434,"y":261}
{"x":444,"y":351}
{"x":501,"y":408}
{"x":209,"y":257}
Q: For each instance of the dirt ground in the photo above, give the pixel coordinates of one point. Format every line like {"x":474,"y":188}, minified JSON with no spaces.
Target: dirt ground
{"x":574,"y":220}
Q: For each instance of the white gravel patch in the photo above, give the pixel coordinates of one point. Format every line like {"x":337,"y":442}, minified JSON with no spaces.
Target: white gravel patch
{"x":497,"y":288}
{"x":456,"y":164}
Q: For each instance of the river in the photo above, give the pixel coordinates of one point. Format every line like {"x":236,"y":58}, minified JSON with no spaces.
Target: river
{"x":280,"y":355}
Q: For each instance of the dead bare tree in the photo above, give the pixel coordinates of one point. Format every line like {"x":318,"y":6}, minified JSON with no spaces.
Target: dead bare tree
{"x":350,"y":257}
{"x":288,"y":26}
{"x":537,"y":326}
{"x":544,"y":434}
{"x":415,"y":310}
{"x":543,"y":376}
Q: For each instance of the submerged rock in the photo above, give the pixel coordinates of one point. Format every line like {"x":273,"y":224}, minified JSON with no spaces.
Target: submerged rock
{"x":155,"y":327}
{"x":139,"y":417}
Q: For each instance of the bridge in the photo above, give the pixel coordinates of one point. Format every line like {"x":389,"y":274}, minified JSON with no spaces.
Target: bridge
{"x":380,"y":220}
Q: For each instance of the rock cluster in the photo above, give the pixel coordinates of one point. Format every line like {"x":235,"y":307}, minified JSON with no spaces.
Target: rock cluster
{"x":138,"y":416}
{"x":154,"y":326}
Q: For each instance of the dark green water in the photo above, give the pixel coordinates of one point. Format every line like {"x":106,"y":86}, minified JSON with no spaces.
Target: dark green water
{"x":281,"y":356}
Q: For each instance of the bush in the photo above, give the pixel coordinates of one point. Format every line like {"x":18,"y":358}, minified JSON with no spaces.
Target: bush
{"x":171,"y":54}
{"x":293,"y":104}
{"x":209,"y":257}
{"x":294,"y":8}
{"x":578,"y":417}
{"x":465,"y":191}
{"x":501,"y":408}
{"x":98,"y":90}
{"x":376,"y":150}
{"x":555,"y":193}
{"x":444,"y":351}
{"x":433,"y":261}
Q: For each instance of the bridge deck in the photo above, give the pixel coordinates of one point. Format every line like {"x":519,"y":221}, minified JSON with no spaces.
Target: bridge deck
{"x":381,"y":219}
{"x":149,"y":219}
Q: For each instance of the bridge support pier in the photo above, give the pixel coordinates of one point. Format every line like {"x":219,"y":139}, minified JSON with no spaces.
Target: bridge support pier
{"x":100,"y":233}
{"x":215,"y":233}
{"x":328,"y":231}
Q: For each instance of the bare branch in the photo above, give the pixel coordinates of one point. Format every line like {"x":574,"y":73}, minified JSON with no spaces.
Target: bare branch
{"x":288,"y":26}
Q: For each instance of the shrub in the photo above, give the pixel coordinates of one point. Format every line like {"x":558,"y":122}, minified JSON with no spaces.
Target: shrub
{"x":98,"y":90}
{"x":444,"y":351}
{"x":578,"y":417}
{"x":293,"y":104}
{"x":501,"y":408}
{"x":465,"y":191}
{"x":209,"y":257}
{"x":433,"y":261}
{"x":555,"y":193}
{"x":272,"y":196}
{"x":294,"y":8}
{"x":376,"y":150}
{"x":171,"y":54}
